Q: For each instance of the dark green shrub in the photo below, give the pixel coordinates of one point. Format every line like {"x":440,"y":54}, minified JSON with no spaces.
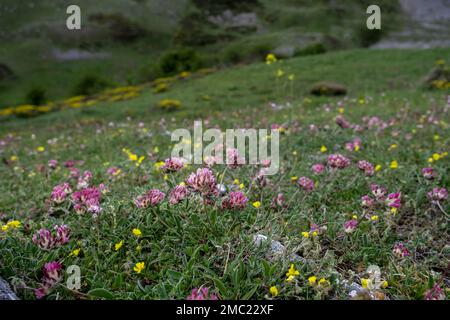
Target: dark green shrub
{"x":37,"y":96}
{"x":90,"y":84}
{"x":311,"y":49}
{"x":176,"y":61}
{"x":367,"y":37}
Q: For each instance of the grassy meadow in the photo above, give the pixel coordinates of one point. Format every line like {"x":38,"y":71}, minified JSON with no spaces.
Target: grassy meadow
{"x":94,"y":206}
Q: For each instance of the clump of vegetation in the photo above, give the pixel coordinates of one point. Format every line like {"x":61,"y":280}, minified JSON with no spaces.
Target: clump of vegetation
{"x":439,"y":76}
{"x":36,"y":96}
{"x":367,"y":37}
{"x":326,"y":88}
{"x":169,"y":104}
{"x":176,"y":61}
{"x":91,"y":84}
{"x":311,"y":49}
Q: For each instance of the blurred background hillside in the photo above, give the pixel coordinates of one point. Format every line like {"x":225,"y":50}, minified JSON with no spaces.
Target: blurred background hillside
{"x":127,"y":42}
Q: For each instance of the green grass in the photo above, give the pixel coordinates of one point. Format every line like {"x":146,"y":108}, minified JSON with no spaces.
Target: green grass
{"x":192,"y":245}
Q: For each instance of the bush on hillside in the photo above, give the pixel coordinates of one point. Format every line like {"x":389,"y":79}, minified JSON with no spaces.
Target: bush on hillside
{"x":176,"y":61}
{"x":37,"y":96}
{"x":90,"y":84}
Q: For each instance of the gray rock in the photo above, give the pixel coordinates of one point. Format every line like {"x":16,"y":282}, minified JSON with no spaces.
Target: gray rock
{"x":5,"y":291}
{"x":284,"y":52}
{"x":276,"y":248}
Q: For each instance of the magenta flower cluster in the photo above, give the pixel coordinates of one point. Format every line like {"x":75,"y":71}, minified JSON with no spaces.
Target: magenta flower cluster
{"x":46,"y":239}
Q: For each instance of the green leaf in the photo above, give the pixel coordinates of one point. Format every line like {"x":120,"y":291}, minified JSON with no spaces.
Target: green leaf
{"x":101,"y":293}
{"x":250,"y":293}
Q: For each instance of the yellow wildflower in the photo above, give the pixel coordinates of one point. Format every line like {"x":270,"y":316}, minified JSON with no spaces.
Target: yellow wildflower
{"x":139,"y":267}
{"x":13,"y":224}
{"x":323,"y":149}
{"x":158,"y":165}
{"x":374,"y":218}
{"x":294,"y":178}
{"x":75,"y":252}
{"x":273,"y":291}
{"x":324,"y":282}
{"x":137,"y":232}
{"x":394,"y":164}
{"x":378,"y":167}
{"x":292,"y":273}
{"x":132,"y":157}
{"x":305,"y":234}
{"x":257,"y":204}
{"x":271,"y":58}
{"x":118,"y":245}
{"x":40,"y":149}
{"x":312,"y":280}
{"x":365,"y":283}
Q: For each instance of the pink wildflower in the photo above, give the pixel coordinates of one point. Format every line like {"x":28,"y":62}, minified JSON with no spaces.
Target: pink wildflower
{"x":235,"y":200}
{"x":62,"y":234}
{"x":350,"y":225}
{"x":151,"y":198}
{"x":60,"y":192}
{"x":178,"y":194}
{"x":234,"y":160}
{"x":435,"y":293}
{"x":338,"y":161}
{"x":201,"y":294}
{"x":306,"y":183}
{"x":84,"y":180}
{"x":173,"y":164}
{"x":318,"y":168}
{"x":278,"y":202}
{"x":367,"y":167}
{"x":393,"y":200}
{"x":202,"y":181}
{"x":367,"y":201}
{"x":52,"y":164}
{"x":400,"y":250}
{"x":342,"y":122}
{"x":52,"y":273}
{"x":437,"y":194}
{"x":378,"y":191}
{"x":44,"y":239}
{"x":428,"y":173}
